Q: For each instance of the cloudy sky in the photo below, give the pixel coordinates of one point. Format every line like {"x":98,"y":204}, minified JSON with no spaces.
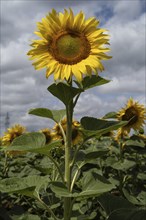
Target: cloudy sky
{"x":23,"y":88}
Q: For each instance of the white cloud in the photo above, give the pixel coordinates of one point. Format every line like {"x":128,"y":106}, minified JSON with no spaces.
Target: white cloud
{"x":23,"y":88}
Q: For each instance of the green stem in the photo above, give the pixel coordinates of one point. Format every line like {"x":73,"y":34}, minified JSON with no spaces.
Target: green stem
{"x":68,"y":144}
{"x":47,"y":208}
{"x":5,"y":170}
{"x":76,"y":153}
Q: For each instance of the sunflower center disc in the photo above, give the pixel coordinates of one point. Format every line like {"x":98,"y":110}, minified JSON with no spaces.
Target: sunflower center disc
{"x":130,"y":114}
{"x":70,"y":48}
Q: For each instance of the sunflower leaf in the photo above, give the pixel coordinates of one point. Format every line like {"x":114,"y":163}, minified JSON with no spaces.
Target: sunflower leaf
{"x":32,"y":142}
{"x":110,"y":115}
{"x":29,"y":186}
{"x":64,"y":92}
{"x":96,"y":127}
{"x":94,"y":184}
{"x":55,"y":115}
{"x":92,"y":81}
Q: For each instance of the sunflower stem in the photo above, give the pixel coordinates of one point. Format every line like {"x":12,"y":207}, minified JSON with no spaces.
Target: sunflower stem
{"x":68,"y":144}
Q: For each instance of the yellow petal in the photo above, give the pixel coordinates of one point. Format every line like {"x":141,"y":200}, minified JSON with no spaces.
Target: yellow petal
{"x":77,"y":73}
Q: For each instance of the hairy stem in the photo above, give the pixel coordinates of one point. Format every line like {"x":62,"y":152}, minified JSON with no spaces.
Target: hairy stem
{"x":68,"y":144}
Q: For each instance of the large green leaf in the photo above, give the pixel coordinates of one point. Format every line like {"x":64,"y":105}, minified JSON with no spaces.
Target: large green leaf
{"x":135,"y":143}
{"x":64,"y":92}
{"x":140,"y":199}
{"x":85,"y":156}
{"x":128,"y":214}
{"x":32,"y":142}
{"x":55,"y":115}
{"x":25,"y":216}
{"x":92,"y":81}
{"x":94,"y":184}
{"x":123,"y":165}
{"x":95,"y":154}
{"x":111,"y":203}
{"x":120,"y":208}
{"x":32,"y":139}
{"x":42,"y":150}
{"x":94,"y":126}
{"x":60,"y":189}
{"x":29,"y":186}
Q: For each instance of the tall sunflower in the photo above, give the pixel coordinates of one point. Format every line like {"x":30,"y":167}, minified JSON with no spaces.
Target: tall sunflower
{"x":133,"y":112}
{"x":70,"y":45}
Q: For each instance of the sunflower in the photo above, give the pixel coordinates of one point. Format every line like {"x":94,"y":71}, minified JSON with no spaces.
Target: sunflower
{"x":77,"y":136}
{"x":135,"y":114}
{"x":70,"y":45}
{"x":10,"y":135}
{"x":48,"y":134}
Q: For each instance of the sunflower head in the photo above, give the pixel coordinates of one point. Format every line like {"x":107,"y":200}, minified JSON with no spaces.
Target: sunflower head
{"x":10,"y":135}
{"x":48,"y":134}
{"x":77,"y":136}
{"x":135,"y":114}
{"x":69,"y":45}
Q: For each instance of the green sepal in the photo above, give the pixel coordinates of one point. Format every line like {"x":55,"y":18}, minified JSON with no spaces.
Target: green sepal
{"x":64,"y":92}
{"x":55,"y":115}
{"x":91,"y":81}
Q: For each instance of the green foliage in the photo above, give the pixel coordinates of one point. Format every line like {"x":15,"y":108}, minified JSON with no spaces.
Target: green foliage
{"x":55,"y":115}
{"x":97,"y":127}
{"x":110,"y":115}
{"x":29,"y":186}
{"x":64,"y":92}
{"x":108,"y":182}
{"x":94,"y":184}
{"x":92,"y":81}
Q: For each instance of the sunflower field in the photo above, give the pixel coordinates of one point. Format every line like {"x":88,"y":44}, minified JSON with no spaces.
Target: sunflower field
{"x":79,"y":169}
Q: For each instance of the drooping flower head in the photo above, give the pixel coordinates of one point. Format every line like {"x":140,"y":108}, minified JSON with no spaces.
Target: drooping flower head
{"x":133,"y":112}
{"x":48,"y":134}
{"x":70,"y":45}
{"x":77,"y":136}
{"x":12,"y":133}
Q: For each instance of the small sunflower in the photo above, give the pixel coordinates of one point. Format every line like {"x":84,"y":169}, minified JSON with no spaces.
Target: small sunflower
{"x":77,"y":136}
{"x":10,"y":135}
{"x":69,"y":46}
{"x":48,"y":134}
{"x":133,"y":112}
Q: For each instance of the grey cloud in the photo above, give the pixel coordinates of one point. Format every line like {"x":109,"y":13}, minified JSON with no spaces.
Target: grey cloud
{"x":24,"y":88}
